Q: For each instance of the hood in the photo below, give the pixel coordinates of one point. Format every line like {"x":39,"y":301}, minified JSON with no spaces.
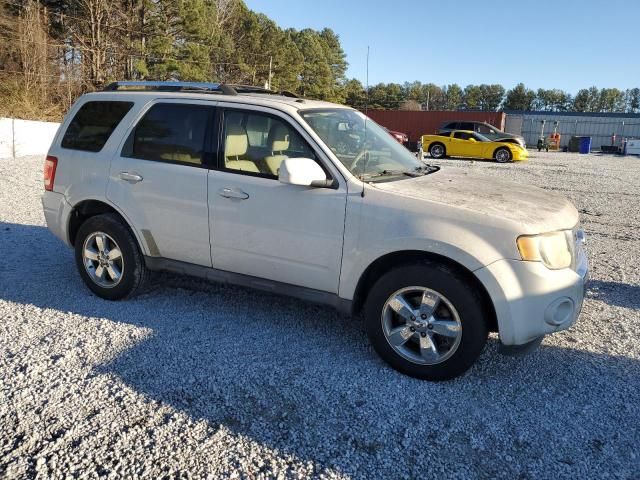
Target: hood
{"x":534,"y":210}
{"x":508,"y":137}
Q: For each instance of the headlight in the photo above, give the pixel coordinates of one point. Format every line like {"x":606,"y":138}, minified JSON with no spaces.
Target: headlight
{"x":552,"y":249}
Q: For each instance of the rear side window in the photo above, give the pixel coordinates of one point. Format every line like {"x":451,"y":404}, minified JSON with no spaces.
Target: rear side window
{"x":481,"y":128}
{"x":93,"y":125}
{"x":465,"y":126}
{"x":451,"y":126}
{"x":170,"y":132}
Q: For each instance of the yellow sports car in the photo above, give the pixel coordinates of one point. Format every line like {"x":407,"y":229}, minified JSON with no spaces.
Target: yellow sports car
{"x":465,"y":143}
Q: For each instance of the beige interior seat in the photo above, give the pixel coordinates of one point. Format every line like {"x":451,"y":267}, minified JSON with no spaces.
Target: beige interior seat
{"x":279,"y":139}
{"x":235,"y":148}
{"x":185,"y":157}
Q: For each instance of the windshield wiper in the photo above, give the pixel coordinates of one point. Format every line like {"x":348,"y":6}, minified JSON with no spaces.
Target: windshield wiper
{"x":391,"y":173}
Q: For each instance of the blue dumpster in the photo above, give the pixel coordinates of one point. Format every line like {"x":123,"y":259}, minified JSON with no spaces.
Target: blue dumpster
{"x":585,"y":144}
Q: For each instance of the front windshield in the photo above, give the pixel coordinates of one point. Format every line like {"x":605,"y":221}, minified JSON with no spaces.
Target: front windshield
{"x":363,"y":146}
{"x":481,"y":137}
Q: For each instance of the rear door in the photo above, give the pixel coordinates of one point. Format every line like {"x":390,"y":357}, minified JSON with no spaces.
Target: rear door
{"x":159,"y":179}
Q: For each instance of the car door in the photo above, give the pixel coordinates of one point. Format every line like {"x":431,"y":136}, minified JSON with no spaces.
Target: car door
{"x":482,"y":147}
{"x":459,"y":144}
{"x":475,"y":146}
{"x":159,"y":179}
{"x":261,"y":227}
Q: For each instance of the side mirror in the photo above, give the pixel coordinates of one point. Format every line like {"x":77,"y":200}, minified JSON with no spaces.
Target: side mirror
{"x":471,"y":139}
{"x":302,"y":171}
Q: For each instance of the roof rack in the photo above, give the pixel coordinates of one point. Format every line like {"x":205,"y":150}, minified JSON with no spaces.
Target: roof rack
{"x":193,"y":87}
{"x":171,"y":87}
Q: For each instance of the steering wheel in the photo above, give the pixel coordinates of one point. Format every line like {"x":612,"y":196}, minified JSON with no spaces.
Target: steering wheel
{"x":357,"y":159}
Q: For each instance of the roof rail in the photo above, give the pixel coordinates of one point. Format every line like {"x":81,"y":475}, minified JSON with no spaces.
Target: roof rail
{"x":171,"y":86}
{"x":252,"y":89}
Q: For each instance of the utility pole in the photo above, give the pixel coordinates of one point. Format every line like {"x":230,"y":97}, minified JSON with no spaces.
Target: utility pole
{"x":270,"y":65}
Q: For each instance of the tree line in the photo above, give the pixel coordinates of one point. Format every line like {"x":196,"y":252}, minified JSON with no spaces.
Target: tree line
{"x":419,"y":96}
{"x":52,"y":51}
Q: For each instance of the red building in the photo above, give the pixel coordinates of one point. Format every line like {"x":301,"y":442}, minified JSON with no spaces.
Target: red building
{"x":416,"y":124}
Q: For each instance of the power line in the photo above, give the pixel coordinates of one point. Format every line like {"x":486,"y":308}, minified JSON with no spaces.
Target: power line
{"x":26,"y":74}
{"x":136,"y":55}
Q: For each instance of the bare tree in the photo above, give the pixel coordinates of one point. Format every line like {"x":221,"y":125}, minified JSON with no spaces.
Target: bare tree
{"x":412,"y":105}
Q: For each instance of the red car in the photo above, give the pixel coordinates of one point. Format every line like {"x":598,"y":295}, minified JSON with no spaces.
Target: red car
{"x":402,"y":138}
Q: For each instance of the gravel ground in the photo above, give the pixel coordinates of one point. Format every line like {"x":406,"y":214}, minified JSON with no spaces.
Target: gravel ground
{"x":198,"y":380}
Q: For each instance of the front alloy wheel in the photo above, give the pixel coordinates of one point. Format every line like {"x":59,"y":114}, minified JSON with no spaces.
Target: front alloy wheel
{"x":421,"y":325}
{"x":427,"y":320}
{"x":503,"y":155}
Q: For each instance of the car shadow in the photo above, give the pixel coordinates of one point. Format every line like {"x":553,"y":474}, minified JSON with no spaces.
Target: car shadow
{"x":303,"y":380}
{"x":615,"y":293}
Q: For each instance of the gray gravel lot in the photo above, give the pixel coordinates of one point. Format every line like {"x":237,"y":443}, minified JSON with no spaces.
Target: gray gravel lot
{"x":200,"y":380}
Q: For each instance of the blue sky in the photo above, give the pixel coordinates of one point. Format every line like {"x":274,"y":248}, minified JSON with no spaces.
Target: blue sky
{"x":576,"y":45}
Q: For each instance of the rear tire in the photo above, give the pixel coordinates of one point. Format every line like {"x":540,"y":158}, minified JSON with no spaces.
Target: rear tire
{"x":108,"y":257}
{"x":437,"y":150}
{"x":502,"y":155}
{"x":418,"y":339}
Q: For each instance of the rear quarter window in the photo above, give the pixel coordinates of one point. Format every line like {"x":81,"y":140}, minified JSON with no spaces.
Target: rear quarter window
{"x":93,"y":125}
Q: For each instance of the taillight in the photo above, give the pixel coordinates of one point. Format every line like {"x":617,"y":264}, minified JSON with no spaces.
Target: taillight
{"x":50,"y":165}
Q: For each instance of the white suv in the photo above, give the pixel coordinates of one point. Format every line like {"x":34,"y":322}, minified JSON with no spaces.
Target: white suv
{"x":314,"y":200}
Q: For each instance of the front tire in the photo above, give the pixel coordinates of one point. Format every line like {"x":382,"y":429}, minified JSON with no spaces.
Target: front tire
{"x":108,"y":258}
{"x":426,"y":321}
{"x":437,"y":150}
{"x":502,"y":155}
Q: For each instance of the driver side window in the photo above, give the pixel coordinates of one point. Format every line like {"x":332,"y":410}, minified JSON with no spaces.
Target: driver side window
{"x":462,"y":135}
{"x":257,"y":143}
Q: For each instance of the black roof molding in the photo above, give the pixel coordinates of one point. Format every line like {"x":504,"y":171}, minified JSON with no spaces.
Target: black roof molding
{"x":190,"y":87}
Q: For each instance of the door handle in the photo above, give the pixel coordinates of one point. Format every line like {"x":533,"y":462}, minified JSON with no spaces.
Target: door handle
{"x":233,"y":193}
{"x":130,"y":177}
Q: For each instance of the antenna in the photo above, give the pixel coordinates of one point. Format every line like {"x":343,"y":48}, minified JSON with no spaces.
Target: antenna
{"x":366,"y":117}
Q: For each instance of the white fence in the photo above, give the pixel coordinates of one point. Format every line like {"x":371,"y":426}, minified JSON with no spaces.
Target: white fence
{"x":19,"y":138}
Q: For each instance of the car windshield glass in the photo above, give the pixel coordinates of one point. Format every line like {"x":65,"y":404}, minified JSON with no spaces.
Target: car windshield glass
{"x":363,"y":146}
{"x":481,"y":138}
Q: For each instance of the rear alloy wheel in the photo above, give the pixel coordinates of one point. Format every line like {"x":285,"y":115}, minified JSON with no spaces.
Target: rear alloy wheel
{"x":108,"y":258}
{"x":102,"y":259}
{"x":426,"y":321}
{"x":437,"y":150}
{"x":503,"y":155}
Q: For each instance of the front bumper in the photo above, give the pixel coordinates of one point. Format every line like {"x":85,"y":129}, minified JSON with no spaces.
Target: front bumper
{"x":519,"y":155}
{"x":531,"y":300}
